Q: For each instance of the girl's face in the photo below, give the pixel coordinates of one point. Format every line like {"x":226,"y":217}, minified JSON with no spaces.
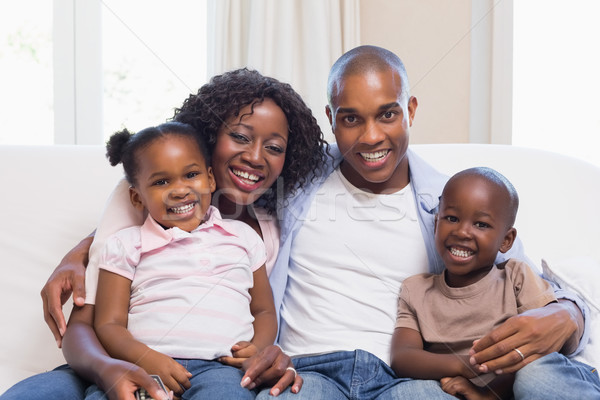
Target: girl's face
{"x":173,"y":182}
{"x":249,"y":152}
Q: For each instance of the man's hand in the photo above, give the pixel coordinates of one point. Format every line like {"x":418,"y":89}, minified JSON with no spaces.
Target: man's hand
{"x":534,"y":333}
{"x":68,"y":277}
{"x":271,"y":367}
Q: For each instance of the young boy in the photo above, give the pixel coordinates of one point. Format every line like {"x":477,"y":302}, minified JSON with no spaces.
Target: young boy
{"x":441,"y":315}
{"x":333,"y":284}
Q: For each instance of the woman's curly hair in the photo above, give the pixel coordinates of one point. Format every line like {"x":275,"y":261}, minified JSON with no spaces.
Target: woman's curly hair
{"x":225,"y":95}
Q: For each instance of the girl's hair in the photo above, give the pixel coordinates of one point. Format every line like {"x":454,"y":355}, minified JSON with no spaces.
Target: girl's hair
{"x":123,"y":146}
{"x":225,"y":95}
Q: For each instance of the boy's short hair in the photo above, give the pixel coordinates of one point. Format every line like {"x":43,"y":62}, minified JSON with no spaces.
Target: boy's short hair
{"x":496,"y":178}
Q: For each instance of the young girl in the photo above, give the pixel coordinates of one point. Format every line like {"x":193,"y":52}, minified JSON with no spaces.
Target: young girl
{"x":440,"y":316}
{"x":244,"y":116}
{"x":179,"y":291}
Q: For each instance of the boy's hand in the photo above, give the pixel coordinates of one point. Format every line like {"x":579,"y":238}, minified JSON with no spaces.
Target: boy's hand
{"x":174,"y":376}
{"x":240,"y":351}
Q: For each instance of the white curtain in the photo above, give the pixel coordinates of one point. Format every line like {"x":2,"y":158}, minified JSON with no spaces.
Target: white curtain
{"x":295,"y":41}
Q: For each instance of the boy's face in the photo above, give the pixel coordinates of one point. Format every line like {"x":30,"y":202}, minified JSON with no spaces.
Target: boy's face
{"x":371,"y":120}
{"x":471,"y":227}
{"x":173,"y":182}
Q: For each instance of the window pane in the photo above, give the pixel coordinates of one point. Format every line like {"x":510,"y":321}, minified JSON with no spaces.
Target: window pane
{"x":556,"y":80}
{"x":26,"y":97}
{"x":154,"y":55}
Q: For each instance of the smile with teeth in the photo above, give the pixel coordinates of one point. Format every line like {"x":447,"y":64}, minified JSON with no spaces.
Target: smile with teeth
{"x":245,"y":175}
{"x":460,"y":252}
{"x":182,"y":209}
{"x":374,"y":156}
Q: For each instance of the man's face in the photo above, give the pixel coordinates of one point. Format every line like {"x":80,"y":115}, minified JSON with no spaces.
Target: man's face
{"x":371,"y":120}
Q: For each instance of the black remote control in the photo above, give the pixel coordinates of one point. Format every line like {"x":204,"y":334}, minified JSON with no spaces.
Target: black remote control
{"x":141,"y":393}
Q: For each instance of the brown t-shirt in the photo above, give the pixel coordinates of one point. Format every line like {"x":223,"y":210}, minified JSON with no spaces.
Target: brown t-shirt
{"x":449,"y":319}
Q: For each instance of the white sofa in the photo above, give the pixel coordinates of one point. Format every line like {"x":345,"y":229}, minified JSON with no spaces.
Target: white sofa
{"x":52,"y":197}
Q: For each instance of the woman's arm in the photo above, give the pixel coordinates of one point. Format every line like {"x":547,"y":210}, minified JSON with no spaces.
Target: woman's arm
{"x":68,"y":277}
{"x":410,"y":360}
{"x":110,"y":323}
{"x":84,"y":353}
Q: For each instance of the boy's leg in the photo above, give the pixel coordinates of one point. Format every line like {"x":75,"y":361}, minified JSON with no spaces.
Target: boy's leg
{"x":213,"y":380}
{"x":61,"y":383}
{"x":556,"y":377}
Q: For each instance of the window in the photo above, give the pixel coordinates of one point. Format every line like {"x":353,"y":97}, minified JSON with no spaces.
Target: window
{"x":26,"y":98}
{"x":555,"y":77}
{"x":105,"y":63}
{"x":154,"y":55}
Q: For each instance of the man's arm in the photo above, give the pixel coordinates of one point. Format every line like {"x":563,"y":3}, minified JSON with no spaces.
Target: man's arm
{"x":536,"y":333}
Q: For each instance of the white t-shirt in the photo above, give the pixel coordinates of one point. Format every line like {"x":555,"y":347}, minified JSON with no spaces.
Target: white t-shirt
{"x":347,"y":264}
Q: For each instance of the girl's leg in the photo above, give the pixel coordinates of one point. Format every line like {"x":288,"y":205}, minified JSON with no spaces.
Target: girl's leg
{"x":213,"y":380}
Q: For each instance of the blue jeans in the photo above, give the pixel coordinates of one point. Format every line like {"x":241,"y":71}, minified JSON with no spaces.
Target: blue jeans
{"x":356,"y":375}
{"x":210,"y":380}
{"x":60,"y":383}
{"x":553,"y":377}
{"x":556,"y":377}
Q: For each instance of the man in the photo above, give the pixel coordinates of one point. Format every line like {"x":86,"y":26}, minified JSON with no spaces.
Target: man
{"x":348,"y":241}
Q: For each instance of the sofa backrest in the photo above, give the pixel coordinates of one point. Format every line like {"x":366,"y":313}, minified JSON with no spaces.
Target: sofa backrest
{"x":52,"y":196}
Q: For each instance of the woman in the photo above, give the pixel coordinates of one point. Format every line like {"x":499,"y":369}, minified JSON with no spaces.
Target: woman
{"x":264,"y":143}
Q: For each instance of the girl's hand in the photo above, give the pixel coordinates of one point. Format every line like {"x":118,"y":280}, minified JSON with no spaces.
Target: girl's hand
{"x":174,"y":376}
{"x":271,"y":366}
{"x":240,"y":351}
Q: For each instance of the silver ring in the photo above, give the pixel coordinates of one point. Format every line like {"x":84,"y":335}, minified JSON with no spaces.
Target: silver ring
{"x":519,"y":353}
{"x":292,"y":369}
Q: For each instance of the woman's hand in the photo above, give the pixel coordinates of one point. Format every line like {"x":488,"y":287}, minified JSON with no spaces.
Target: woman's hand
{"x":241,"y":351}
{"x":271,"y":366}
{"x":68,"y":277}
{"x":122,"y":379}
{"x":534,"y":333}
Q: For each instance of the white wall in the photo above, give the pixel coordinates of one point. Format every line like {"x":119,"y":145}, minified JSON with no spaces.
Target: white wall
{"x":433,"y":39}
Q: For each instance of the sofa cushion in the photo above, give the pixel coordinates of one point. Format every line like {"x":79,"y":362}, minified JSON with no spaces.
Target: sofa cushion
{"x":580,"y":275}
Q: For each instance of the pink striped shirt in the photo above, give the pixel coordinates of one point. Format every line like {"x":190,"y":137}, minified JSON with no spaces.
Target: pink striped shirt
{"x":189,"y":290}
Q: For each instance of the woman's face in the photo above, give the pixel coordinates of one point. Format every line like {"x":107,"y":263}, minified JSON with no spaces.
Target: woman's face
{"x":250,"y":152}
